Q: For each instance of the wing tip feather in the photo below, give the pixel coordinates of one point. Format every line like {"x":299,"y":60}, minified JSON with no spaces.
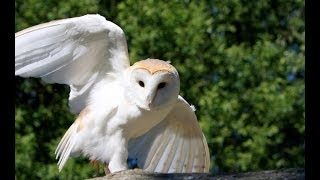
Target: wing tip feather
{"x":66,"y":145}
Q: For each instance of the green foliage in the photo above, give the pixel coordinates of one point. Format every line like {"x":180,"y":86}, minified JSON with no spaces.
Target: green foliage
{"x":241,"y":64}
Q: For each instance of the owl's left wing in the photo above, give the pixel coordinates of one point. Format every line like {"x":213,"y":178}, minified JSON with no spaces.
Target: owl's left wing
{"x":78,"y":51}
{"x":175,"y":145}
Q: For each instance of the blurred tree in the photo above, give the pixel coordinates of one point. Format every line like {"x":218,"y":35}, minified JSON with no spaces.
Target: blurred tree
{"x":241,"y":64}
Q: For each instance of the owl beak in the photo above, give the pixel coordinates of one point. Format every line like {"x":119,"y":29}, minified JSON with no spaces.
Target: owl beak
{"x":150,"y":99}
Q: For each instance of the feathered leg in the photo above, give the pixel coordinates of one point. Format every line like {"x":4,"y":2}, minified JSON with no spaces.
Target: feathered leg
{"x":95,"y":164}
{"x":106,"y":169}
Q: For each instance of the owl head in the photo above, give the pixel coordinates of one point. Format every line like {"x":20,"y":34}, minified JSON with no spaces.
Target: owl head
{"x":152,"y":83}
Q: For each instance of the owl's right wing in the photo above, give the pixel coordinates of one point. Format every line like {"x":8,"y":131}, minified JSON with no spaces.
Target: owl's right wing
{"x":76,"y":51}
{"x":175,"y":145}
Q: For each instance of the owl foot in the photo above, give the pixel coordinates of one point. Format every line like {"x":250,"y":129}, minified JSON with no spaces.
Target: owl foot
{"x":106,"y":169}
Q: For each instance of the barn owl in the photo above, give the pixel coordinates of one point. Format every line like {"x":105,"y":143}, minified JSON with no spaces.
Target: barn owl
{"x":123,"y":111}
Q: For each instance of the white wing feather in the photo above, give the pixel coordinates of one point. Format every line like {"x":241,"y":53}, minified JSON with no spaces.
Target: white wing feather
{"x":176,"y":144}
{"x":76,"y":51}
{"x":66,"y":145}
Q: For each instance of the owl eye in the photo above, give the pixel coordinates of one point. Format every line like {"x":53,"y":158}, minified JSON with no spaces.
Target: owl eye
{"x":141,"y":83}
{"x":161,"y":85}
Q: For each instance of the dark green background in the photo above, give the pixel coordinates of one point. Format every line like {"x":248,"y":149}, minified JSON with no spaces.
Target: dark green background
{"x":241,"y":64}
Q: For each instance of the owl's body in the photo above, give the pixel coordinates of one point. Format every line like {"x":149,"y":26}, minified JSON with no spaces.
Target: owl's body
{"x":107,"y":123}
{"x":123,"y":111}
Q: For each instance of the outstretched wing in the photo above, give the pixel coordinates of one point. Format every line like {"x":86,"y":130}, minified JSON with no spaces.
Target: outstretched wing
{"x":176,"y":144}
{"x":75,"y":51}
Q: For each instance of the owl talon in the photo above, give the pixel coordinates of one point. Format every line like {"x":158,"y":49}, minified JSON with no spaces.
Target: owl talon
{"x":106,"y":169}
